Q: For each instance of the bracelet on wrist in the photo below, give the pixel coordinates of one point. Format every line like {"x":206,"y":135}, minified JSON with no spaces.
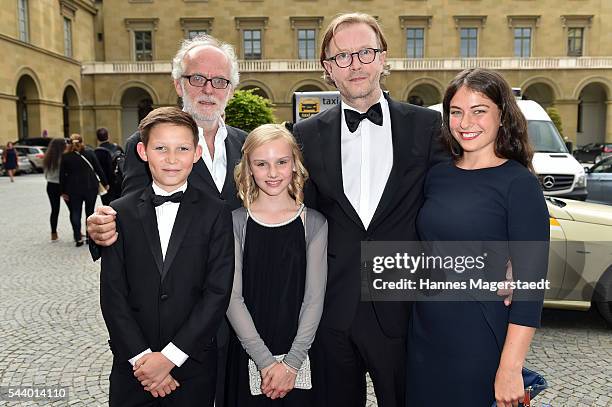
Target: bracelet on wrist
{"x":289,"y":369}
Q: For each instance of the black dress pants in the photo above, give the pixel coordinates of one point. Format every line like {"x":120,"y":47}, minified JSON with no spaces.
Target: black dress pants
{"x":340,"y":361}
{"x":54,"y":193}
{"x":75,"y":203}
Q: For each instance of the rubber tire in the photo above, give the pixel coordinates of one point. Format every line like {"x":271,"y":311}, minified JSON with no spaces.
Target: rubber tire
{"x":602,"y":297}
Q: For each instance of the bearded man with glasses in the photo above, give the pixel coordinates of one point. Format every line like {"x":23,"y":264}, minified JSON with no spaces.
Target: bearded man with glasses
{"x":367,"y":159}
{"x":205,"y":74}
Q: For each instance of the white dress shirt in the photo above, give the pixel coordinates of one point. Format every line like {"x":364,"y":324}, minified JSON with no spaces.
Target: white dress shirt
{"x":367,"y":158}
{"x":166,"y":215}
{"x":217,"y":166}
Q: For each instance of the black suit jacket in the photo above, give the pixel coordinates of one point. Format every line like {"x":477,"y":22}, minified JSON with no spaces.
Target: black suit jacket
{"x":77,"y":177}
{"x":416,"y":147}
{"x":137,"y":175}
{"x":148,"y":302}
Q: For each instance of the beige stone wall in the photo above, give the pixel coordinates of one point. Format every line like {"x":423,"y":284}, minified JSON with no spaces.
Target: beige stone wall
{"x":42,"y":59}
{"x":442,"y":36}
{"x":50,"y":73}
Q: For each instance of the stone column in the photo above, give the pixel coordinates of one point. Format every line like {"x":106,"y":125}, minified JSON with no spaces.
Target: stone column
{"x":608,"y":138}
{"x":8,"y":118}
{"x":568,"y":110}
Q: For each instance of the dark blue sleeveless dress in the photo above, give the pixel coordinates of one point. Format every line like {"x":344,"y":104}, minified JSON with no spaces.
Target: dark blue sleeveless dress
{"x":454,"y":348}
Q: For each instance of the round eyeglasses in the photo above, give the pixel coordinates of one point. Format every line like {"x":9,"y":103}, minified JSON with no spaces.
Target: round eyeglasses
{"x":345,"y":59}
{"x":200,"y":81}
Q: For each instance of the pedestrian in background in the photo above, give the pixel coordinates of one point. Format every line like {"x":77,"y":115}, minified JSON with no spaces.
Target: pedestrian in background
{"x":9,"y":160}
{"x":79,"y":174}
{"x":106,"y":154}
{"x":51,"y":166}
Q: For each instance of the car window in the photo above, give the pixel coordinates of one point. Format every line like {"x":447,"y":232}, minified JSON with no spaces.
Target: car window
{"x":544,"y":137}
{"x":603,"y":167}
{"x":32,"y":150}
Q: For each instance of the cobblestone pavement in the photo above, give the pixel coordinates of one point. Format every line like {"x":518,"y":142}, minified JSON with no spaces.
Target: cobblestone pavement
{"x":52,"y":332}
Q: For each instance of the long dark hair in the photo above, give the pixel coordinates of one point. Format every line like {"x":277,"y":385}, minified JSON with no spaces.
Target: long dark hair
{"x":512,"y":141}
{"x":53,"y":156}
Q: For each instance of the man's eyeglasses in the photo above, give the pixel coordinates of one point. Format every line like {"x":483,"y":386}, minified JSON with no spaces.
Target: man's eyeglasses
{"x":345,"y":59}
{"x":201,"y":81}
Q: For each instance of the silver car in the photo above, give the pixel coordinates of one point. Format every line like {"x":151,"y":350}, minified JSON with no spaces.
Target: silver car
{"x":599,"y":181}
{"x":35,"y":154}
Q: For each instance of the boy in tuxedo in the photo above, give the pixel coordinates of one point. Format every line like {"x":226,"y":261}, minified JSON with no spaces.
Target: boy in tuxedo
{"x":165,"y":283}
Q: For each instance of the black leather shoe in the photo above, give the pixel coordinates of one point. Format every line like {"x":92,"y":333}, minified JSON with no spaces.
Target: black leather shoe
{"x":79,"y":243}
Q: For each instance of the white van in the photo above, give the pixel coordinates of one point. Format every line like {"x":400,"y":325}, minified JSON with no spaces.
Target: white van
{"x":558,"y":171}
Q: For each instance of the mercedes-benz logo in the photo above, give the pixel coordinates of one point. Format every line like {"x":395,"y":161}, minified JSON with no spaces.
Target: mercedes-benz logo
{"x":548,"y":181}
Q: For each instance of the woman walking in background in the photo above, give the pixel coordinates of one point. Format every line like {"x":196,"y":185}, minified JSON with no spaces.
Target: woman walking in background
{"x":79,"y":174}
{"x":9,"y":160}
{"x":51,"y":165}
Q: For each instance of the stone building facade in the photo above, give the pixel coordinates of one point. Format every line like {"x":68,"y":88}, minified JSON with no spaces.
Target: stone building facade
{"x":75,"y":65}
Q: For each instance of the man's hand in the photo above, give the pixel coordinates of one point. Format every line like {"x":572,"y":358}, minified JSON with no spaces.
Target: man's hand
{"x":151,"y":369}
{"x":167,"y":386}
{"x":65,"y":197}
{"x":101,"y":226}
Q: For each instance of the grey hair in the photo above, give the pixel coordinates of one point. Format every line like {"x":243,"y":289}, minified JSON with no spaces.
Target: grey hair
{"x":203,"y":40}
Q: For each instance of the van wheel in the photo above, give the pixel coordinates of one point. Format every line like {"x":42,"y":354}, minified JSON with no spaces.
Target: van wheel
{"x":603,"y":296}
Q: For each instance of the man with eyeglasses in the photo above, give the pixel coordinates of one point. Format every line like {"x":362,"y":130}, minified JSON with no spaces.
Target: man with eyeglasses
{"x":205,"y":73}
{"x":367,"y":159}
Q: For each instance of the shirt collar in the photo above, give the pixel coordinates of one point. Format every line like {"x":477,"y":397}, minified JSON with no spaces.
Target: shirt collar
{"x":220,"y":136}
{"x":158,"y":191}
{"x":381,"y":100}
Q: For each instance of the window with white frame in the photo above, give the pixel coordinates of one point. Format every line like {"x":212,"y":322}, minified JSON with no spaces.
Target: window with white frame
{"x":22,"y":17}
{"x":251,"y":32}
{"x":143,"y":45}
{"x":576,"y":27}
{"x":307,"y":43}
{"x":575,"y":41}
{"x":67,"y":37}
{"x":469,"y":42}
{"x":142,"y":37}
{"x":251,"y":44}
{"x":522,"y":42}
{"x":415,"y":42}
{"x":191,"y":34}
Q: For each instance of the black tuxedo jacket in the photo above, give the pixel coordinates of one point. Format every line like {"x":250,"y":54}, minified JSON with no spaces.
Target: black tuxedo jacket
{"x":148,"y":302}
{"x":137,"y":175}
{"x":416,"y":147}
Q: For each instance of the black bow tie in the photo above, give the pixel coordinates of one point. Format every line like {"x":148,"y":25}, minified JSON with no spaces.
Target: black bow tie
{"x":162,"y":199}
{"x":353,"y":118}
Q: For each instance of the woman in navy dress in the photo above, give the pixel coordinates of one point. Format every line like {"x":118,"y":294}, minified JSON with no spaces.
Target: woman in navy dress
{"x":9,"y":160}
{"x":470,"y":353}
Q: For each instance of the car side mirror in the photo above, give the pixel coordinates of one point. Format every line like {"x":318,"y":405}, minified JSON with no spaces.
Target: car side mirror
{"x":570,"y":146}
{"x":587,"y":170}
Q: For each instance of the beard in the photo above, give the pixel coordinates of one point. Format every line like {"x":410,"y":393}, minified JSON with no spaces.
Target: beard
{"x":191,"y":106}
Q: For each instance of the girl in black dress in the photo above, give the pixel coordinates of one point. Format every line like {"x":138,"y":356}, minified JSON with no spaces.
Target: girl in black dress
{"x":470,"y":353}
{"x":281,"y":269}
{"x":9,"y":160}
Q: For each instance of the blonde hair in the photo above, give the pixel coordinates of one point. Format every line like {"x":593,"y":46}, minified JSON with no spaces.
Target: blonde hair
{"x":76,"y":143}
{"x":351,"y":18}
{"x":248,"y":191}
